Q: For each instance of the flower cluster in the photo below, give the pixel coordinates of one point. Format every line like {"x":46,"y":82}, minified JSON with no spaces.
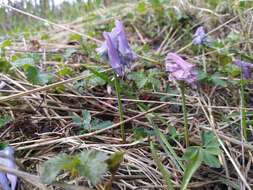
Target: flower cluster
{"x":245,"y":67}
{"x":119,"y":54}
{"x":116,"y":49}
{"x":7,"y":181}
{"x":180,"y":70}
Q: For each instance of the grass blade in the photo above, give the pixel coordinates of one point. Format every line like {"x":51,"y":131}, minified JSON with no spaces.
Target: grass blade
{"x":169,"y":149}
{"x":161,"y":167}
{"x":191,"y":168}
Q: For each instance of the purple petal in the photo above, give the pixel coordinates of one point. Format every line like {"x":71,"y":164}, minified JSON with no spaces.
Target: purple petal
{"x":13,"y":180}
{"x":174,"y":58}
{"x":102,"y":50}
{"x":4,"y":183}
{"x":8,"y":161}
{"x":199,"y":36}
{"x":127,"y":55}
{"x":245,"y":67}
{"x":116,"y":49}
{"x":8,"y":151}
{"x":2,"y":84}
{"x":124,"y":48}
{"x":113,"y":55}
{"x":180,"y":70}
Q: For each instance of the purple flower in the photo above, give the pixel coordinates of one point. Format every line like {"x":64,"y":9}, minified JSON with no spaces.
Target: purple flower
{"x":180,"y":70}
{"x":2,"y":84}
{"x":200,"y":36}
{"x":4,"y":183}
{"x":116,"y":49}
{"x":7,"y":181}
{"x":245,"y":67}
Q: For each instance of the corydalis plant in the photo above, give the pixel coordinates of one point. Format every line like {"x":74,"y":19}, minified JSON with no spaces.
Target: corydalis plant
{"x":184,"y":73}
{"x":245,"y":68}
{"x":180,"y":70}
{"x":7,"y":181}
{"x":246,"y":73}
{"x":116,"y":49}
{"x":200,"y":36}
{"x":119,"y":54}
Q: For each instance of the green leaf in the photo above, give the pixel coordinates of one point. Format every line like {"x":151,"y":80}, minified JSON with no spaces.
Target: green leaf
{"x":53,"y":167}
{"x":3,"y":145}
{"x":210,"y":143}
{"x":77,"y":120}
{"x":92,"y":165}
{"x":211,"y":160}
{"x":156,"y":4}
{"x":192,"y":166}
{"x":65,"y":71}
{"x":115,"y":160}
{"x":35,"y":76}
{"x":141,"y":7}
{"x":100,"y":75}
{"x":6,"y":43}
{"x":75,"y":37}
{"x":210,"y":148}
{"x":86,"y":119}
{"x":4,"y":65}
{"x":202,"y":76}
{"x":87,"y":123}
{"x":191,"y":152}
{"x":140,"y":133}
{"x":218,"y":81}
{"x":151,"y":78}
{"x":4,"y":120}
{"x":161,"y":167}
{"x":100,"y":124}
{"x":93,"y":80}
{"x":22,"y":61}
{"x":68,"y":52}
{"x":169,"y":149}
{"x":139,"y":78}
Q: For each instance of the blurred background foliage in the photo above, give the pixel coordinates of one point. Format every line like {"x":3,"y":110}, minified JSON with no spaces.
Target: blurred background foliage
{"x":49,"y":9}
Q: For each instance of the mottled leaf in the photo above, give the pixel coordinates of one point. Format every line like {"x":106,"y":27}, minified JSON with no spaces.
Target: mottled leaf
{"x":92,"y":165}
{"x":53,"y":167}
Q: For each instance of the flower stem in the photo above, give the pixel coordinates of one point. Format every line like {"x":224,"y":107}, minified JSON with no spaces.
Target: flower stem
{"x":186,"y":130}
{"x":204,"y":61}
{"x":243,"y":112}
{"x":121,"y":114}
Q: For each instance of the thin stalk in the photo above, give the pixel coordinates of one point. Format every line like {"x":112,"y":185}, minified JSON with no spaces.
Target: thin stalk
{"x":243,"y":111}
{"x":121,"y":114}
{"x":186,"y":130}
{"x":204,"y":61}
{"x":161,"y":167}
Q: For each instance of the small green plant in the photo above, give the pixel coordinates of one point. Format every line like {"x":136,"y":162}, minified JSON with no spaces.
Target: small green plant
{"x":89,"y":164}
{"x":92,"y":80}
{"x":87,"y":123}
{"x":215,"y":79}
{"x":206,"y":153}
{"x":32,"y":72}
{"x":196,"y":155}
{"x":149,"y":79}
